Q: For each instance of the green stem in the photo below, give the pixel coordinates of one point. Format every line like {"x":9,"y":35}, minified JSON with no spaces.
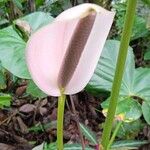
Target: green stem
{"x":114,"y":135}
{"x":125,"y":39}
{"x":60,"y":118}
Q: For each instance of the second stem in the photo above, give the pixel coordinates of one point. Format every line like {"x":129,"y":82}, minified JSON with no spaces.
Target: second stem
{"x":60,"y":120}
{"x":125,"y":39}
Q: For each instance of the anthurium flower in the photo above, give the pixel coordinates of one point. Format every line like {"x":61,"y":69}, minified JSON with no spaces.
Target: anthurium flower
{"x":64,"y":54}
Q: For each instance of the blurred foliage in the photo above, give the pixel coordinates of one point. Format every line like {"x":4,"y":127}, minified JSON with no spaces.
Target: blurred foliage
{"x":140,"y":29}
{"x":147,"y":55}
{"x":147,"y":2}
{"x":5,"y":100}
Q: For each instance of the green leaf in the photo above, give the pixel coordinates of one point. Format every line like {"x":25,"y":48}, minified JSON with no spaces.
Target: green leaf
{"x":129,"y":130}
{"x":147,"y":55}
{"x":2,"y":78}
{"x":88,"y":134}
{"x":135,"y":81}
{"x":3,"y":21}
{"x":42,"y":127}
{"x":39,"y":147}
{"x":38,"y":19}
{"x":140,"y":85}
{"x":104,"y":72}
{"x":139,"y":29}
{"x":75,"y":147}
{"x":39,"y":3}
{"x":146,"y":111}
{"x":146,"y":2}
{"x":5,"y":100}
{"x":128,"y":143}
{"x":12,"y":46}
{"x":2,"y":81}
{"x":33,"y":90}
{"x":18,"y":4}
{"x":128,"y":109}
{"x":52,"y":146}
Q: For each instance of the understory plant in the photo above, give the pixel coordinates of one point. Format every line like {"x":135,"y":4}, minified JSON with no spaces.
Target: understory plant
{"x":125,"y":39}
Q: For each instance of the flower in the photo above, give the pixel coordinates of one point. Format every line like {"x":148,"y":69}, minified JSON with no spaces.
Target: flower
{"x":64,"y":54}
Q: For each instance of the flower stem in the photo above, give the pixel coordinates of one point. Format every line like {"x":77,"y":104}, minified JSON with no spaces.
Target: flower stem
{"x":125,"y":39}
{"x":114,"y":135}
{"x":60,"y":118}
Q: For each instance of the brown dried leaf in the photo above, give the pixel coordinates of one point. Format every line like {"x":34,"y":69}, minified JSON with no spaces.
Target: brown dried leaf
{"x":6,"y":147}
{"x":23,"y":127}
{"x":21,"y":90}
{"x":43,"y":110}
{"x":27,"y":108}
{"x":43,"y":102}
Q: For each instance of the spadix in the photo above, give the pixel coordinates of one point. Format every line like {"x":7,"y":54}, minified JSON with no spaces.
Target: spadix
{"x":64,"y":54}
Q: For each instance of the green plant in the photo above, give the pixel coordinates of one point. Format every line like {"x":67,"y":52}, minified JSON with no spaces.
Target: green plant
{"x":147,"y":55}
{"x":135,"y":82}
{"x":5,"y":100}
{"x":119,"y":71}
{"x":139,"y":29}
{"x":34,"y":91}
{"x":2,"y":78}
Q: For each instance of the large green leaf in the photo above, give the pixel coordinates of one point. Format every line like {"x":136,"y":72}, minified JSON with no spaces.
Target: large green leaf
{"x":127,"y":109}
{"x":140,"y":84}
{"x":104,"y":72}
{"x":33,"y":90}
{"x":146,"y":111}
{"x":12,"y":46}
{"x":135,"y":81}
{"x":38,"y":19}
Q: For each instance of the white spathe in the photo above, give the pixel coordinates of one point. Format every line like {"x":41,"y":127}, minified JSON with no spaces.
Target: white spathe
{"x":46,"y":48}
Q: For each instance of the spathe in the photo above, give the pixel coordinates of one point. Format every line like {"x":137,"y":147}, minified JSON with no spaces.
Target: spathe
{"x":47,"y":48}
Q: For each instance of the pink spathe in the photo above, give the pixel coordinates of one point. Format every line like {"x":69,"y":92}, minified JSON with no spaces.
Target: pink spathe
{"x":46,"y":49}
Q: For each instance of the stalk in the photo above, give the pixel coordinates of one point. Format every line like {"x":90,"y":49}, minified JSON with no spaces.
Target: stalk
{"x":60,"y":118}
{"x":114,"y":135}
{"x":125,"y":39}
